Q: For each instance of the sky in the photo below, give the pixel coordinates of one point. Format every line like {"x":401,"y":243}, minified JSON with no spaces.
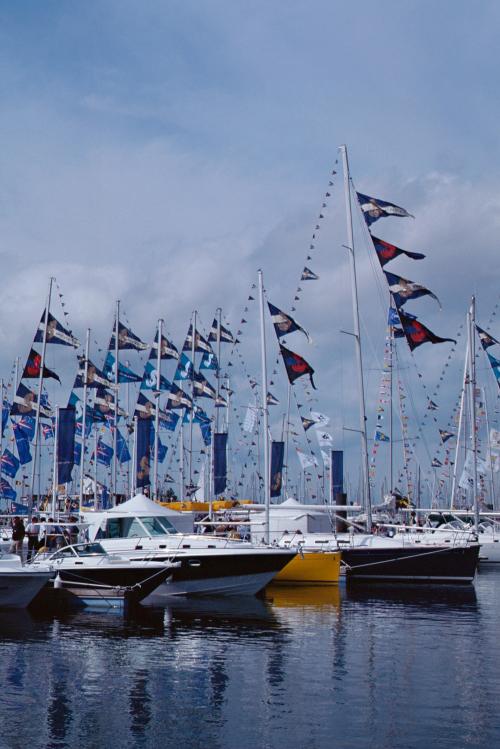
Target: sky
{"x":160,"y":153}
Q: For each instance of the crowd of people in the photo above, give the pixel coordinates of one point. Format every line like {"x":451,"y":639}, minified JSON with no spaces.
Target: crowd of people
{"x":44,"y":534}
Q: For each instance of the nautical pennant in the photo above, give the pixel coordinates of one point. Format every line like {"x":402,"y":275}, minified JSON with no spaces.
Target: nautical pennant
{"x":387,"y":252}
{"x":9,"y":463}
{"x":126,"y":339}
{"x":168,"y":350}
{"x":150,"y":379}
{"x":95,"y":377}
{"x":416,"y":333}
{"x":26,"y":403}
{"x":55,"y":333}
{"x":225,"y":335}
{"x":375,"y":208}
{"x":22,"y":443}
{"x":402,"y":289}
{"x":34,"y":366}
{"x":445,"y":436}
{"x":202,"y":388}
{"x":308,"y":275}
{"x":200,"y":343}
{"x":178,"y":398}
{"x":271,"y":399}
{"x":124,"y":373}
{"x":307,"y":423}
{"x":486,"y":339}
{"x":209,"y":361}
{"x":184,"y":369}
{"x":284,"y":324}
{"x":296,"y":366}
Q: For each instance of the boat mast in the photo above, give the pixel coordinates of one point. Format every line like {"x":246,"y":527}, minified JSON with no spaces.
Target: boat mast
{"x":357,"y":339}
{"x":193,"y":353}
{"x":460,"y":423}
{"x":264,"y":407}
{"x":472,"y":403}
{"x":116,"y":399}
{"x":54,"y":465}
{"x":39,"y":397}
{"x":157,"y":411}
{"x":84,"y":417}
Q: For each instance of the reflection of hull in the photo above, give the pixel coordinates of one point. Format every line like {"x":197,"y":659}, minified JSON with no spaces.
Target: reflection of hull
{"x":411,"y":564}
{"x":221,"y":573}
{"x":316,"y":567}
{"x":288,"y":596}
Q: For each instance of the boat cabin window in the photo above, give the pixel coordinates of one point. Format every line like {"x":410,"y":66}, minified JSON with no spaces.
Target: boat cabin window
{"x":135,"y":527}
{"x":64,"y":553}
{"x":89,"y":550}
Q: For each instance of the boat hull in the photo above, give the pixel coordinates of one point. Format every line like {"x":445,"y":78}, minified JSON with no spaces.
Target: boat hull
{"x":18,"y":589}
{"x":311,"y":568}
{"x":428,"y":565}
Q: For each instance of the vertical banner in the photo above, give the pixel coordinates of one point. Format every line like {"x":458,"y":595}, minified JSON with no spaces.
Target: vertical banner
{"x":277,"y":453}
{"x":143,"y":443}
{"x":66,"y":444}
{"x":220,"y":462}
{"x":337,"y":477}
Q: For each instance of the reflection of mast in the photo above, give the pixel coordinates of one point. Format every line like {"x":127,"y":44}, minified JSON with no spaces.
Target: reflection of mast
{"x":357,"y":343}
{"x":39,"y":399}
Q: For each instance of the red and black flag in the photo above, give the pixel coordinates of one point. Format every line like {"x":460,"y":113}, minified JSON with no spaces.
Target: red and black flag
{"x":296,"y":366}
{"x":33,"y":367}
{"x":416,"y":333}
{"x":386,"y":252}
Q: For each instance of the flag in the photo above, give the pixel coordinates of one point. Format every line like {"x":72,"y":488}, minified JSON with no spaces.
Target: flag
{"x":206,"y":433}
{"x":374,"y":208}
{"x":305,"y":460}
{"x":77,"y":453}
{"x":184,"y":369}
{"x":34,"y":366}
{"x":22,"y":443}
{"x":26,"y":403}
{"x":486,"y":339}
{"x":209,"y":361}
{"x":167,"y":349}
{"x":308,"y":275}
{"x":202,"y":388}
{"x":9,"y":463}
{"x":402,"y":289}
{"x":381,"y":437}
{"x":65,"y":444}
{"x":324,"y":439}
{"x":162,"y":449}
{"x":277,"y":454}
{"x":104,"y":453}
{"x":393,"y":317}
{"x":105,"y":406}
{"x":126,"y":339}
{"x":284,"y":324}
{"x":145,"y":409}
{"x":124,"y":373}
{"x":495,"y":365}
{"x":177,"y":398}
{"x":436,"y":463}
{"x":27,"y":424}
{"x":168,"y":420}
{"x":55,"y":333}
{"x":296,"y":366}
{"x":122,"y":451}
{"x":271,"y":399}
{"x":77,"y":404}
{"x":307,"y":423}
{"x":95,"y":377}
{"x":416,"y":333}
{"x":494,"y":440}
{"x":47,"y":431}
{"x":337,"y":477}
{"x":200,"y":343}
{"x":197,"y":415}
{"x":225,"y":335}
{"x":386,"y":252}
{"x":150,"y":379}
{"x":6,"y":406}
{"x":220,"y":462}
{"x":432,"y":406}
{"x":320,"y":420}
{"x":6,"y":491}
{"x":445,"y":436}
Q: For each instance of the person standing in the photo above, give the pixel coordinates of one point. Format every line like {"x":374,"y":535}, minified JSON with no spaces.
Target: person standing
{"x":32,"y":530}
{"x":18,"y":534}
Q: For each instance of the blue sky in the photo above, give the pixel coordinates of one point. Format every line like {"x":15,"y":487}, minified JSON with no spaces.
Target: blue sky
{"x":163,"y":151}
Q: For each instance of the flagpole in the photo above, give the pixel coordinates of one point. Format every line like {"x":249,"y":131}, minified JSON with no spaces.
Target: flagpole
{"x":181,"y":465}
{"x":54,"y":465}
{"x":117,"y":349}
{"x":472,"y":395}
{"x":492,"y":482}
{"x":134,"y":457}
{"x":357,"y":338}
{"x":264,"y":406}
{"x":157,"y":411}
{"x":219,"y":322}
{"x":391,"y":419}
{"x":37,"y":412}
{"x":95,"y":469}
{"x":84,"y":417}
{"x":193,"y":354}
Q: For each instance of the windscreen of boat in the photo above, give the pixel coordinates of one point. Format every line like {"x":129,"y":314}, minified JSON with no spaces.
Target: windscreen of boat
{"x":134,"y":527}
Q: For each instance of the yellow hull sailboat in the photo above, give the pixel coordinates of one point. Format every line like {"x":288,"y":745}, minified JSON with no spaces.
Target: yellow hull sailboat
{"x":311,"y":568}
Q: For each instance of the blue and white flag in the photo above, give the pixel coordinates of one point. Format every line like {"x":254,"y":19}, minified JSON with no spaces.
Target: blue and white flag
{"x":26,"y":403}
{"x":225,"y":335}
{"x":285,"y":324}
{"x":178,"y":398}
{"x":168,"y":350}
{"x":65,"y":444}
{"x":184,"y":369}
{"x":168,"y":420}
{"x":104,"y":453}
{"x":22,"y":443}
{"x":375,"y":208}
{"x":308,"y":275}
{"x":202,"y":388}
{"x":381,"y":437}
{"x":9,"y":463}
{"x":402,"y":289}
{"x":486,"y":339}
{"x":124,"y":373}
{"x":200,"y":343}
{"x":55,"y":332}
{"x":126,"y":339}
{"x":95,"y":377}
{"x":5,"y":414}
{"x":150,"y":379}
{"x":27,"y":424}
{"x":6,"y":491}
{"x":209,"y":361}
{"x":122,"y":451}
